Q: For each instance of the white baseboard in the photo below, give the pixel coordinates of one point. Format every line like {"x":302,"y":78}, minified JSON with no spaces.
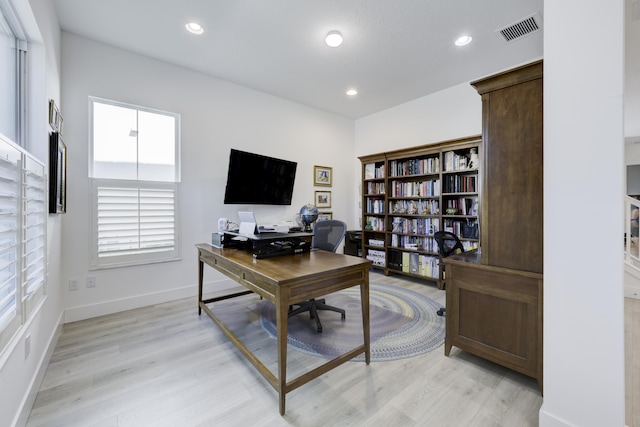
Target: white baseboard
{"x":546,"y":419}
{"x":30,"y":397}
{"x":73,"y":314}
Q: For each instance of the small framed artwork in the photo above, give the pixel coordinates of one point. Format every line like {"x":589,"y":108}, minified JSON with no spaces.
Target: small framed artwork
{"x":322,"y":216}
{"x":55,"y":118}
{"x":322,"y":176}
{"x":323,"y":199}
{"x":57,"y":174}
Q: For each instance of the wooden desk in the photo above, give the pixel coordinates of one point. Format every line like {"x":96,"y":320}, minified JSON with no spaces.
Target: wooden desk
{"x":284,"y":281}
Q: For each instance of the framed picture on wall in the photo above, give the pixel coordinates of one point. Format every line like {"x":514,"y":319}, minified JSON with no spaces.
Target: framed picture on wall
{"x":322,"y":176}
{"x":325,"y":215}
{"x":57,"y":174}
{"x":323,"y":199}
{"x":55,"y":118}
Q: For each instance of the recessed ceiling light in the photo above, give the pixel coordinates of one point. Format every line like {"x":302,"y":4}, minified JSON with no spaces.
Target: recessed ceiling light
{"x":194,"y":28}
{"x":333,"y":39}
{"x":463,"y":40}
{"x":352,"y":92}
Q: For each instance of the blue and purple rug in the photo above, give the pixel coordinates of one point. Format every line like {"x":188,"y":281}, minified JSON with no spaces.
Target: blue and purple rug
{"x":403,"y":323}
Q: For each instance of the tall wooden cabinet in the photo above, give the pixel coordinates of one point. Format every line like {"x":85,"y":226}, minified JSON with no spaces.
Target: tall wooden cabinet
{"x":409,"y":194}
{"x":494,"y":295}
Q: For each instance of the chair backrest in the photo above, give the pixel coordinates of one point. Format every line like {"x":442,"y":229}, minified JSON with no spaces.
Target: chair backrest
{"x":448,"y":243}
{"x":328,"y":234}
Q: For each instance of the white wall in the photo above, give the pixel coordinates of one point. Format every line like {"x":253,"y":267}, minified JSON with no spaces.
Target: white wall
{"x":583,"y":262}
{"x":452,"y":113}
{"x":216,"y":116}
{"x":24,"y":373}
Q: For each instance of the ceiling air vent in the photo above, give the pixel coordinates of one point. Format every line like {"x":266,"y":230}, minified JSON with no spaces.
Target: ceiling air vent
{"x":521,"y":28}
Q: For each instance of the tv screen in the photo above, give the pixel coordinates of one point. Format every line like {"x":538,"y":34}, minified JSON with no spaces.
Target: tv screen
{"x":255,"y":179}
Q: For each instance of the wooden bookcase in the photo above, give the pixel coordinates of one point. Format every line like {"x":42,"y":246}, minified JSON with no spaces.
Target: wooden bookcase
{"x":495,"y":295}
{"x":409,"y":194}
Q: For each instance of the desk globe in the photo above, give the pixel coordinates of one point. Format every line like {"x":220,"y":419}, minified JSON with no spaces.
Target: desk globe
{"x":308,"y":215}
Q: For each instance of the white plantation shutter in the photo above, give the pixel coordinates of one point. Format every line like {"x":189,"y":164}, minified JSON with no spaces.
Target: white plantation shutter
{"x":134,"y":170}
{"x":136,"y":222}
{"x":34,"y":242}
{"x":23,"y":229}
{"x":9,"y":244}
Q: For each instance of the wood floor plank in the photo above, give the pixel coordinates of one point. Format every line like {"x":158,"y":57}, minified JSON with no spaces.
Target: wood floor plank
{"x":632,"y":361}
{"x":165,"y":365}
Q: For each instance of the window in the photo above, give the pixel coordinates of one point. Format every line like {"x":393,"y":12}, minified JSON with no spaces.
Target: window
{"x":23,"y":213}
{"x":134,"y":171}
{"x":12,"y":78}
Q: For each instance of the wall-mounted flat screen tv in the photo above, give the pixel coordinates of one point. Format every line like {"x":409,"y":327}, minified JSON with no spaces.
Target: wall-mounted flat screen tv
{"x":254,"y":179}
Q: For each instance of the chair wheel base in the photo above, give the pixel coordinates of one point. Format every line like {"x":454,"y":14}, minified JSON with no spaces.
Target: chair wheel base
{"x":441,"y":312}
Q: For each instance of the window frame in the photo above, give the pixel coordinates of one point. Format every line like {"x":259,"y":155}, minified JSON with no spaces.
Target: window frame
{"x":141,"y":256}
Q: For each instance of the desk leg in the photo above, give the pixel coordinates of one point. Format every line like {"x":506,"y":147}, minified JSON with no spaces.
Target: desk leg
{"x":364,"y":297}
{"x":200,"y":277}
{"x":282,"y":322}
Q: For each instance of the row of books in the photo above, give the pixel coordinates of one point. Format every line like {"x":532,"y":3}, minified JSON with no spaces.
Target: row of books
{"x":375,"y":188}
{"x":375,"y":205}
{"x":455,"y":162}
{"x":466,"y":229}
{"x":374,"y":223}
{"x":415,"y":207}
{"x":429,"y":188}
{"x":418,"y":243}
{"x":424,"y":226}
{"x":378,"y":257}
{"x":415,"y":263}
{"x":414,"y":166}
{"x":374,"y":170}
{"x":460,"y":183}
{"x":463,"y":205}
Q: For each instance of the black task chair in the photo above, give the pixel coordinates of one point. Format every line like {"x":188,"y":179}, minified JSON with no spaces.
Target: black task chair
{"x":448,"y":243}
{"x":327,"y":236}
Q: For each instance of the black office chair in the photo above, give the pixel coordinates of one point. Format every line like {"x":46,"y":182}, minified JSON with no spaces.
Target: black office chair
{"x":448,"y":243}
{"x":327,"y":236}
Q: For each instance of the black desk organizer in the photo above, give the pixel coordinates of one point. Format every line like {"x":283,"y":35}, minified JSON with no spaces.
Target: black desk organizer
{"x":290,"y":246}
{"x":270,"y":244}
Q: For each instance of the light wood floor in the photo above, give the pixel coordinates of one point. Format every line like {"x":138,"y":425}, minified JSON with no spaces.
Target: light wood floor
{"x":165,"y":366}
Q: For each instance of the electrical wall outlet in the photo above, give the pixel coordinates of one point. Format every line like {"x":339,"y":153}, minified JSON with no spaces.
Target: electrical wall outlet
{"x":91,"y":281}
{"x":73,"y":284}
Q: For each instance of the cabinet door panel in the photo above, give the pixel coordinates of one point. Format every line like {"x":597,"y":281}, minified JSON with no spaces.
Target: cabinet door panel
{"x":495,"y":315}
{"x":513,"y":197}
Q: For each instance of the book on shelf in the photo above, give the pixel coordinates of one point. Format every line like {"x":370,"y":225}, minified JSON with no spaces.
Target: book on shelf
{"x":406,"y":261}
{"x":369,"y":171}
{"x":395,"y":260}
{"x":413,"y":262}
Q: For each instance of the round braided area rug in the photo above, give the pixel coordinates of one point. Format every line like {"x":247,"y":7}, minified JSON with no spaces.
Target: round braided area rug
{"x":403,"y":323}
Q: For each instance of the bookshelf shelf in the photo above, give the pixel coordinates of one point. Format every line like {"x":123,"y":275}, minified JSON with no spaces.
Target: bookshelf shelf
{"x":402,"y":209}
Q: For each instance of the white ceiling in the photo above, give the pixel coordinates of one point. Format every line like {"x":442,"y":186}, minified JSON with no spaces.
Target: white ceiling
{"x":393,"y":51}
